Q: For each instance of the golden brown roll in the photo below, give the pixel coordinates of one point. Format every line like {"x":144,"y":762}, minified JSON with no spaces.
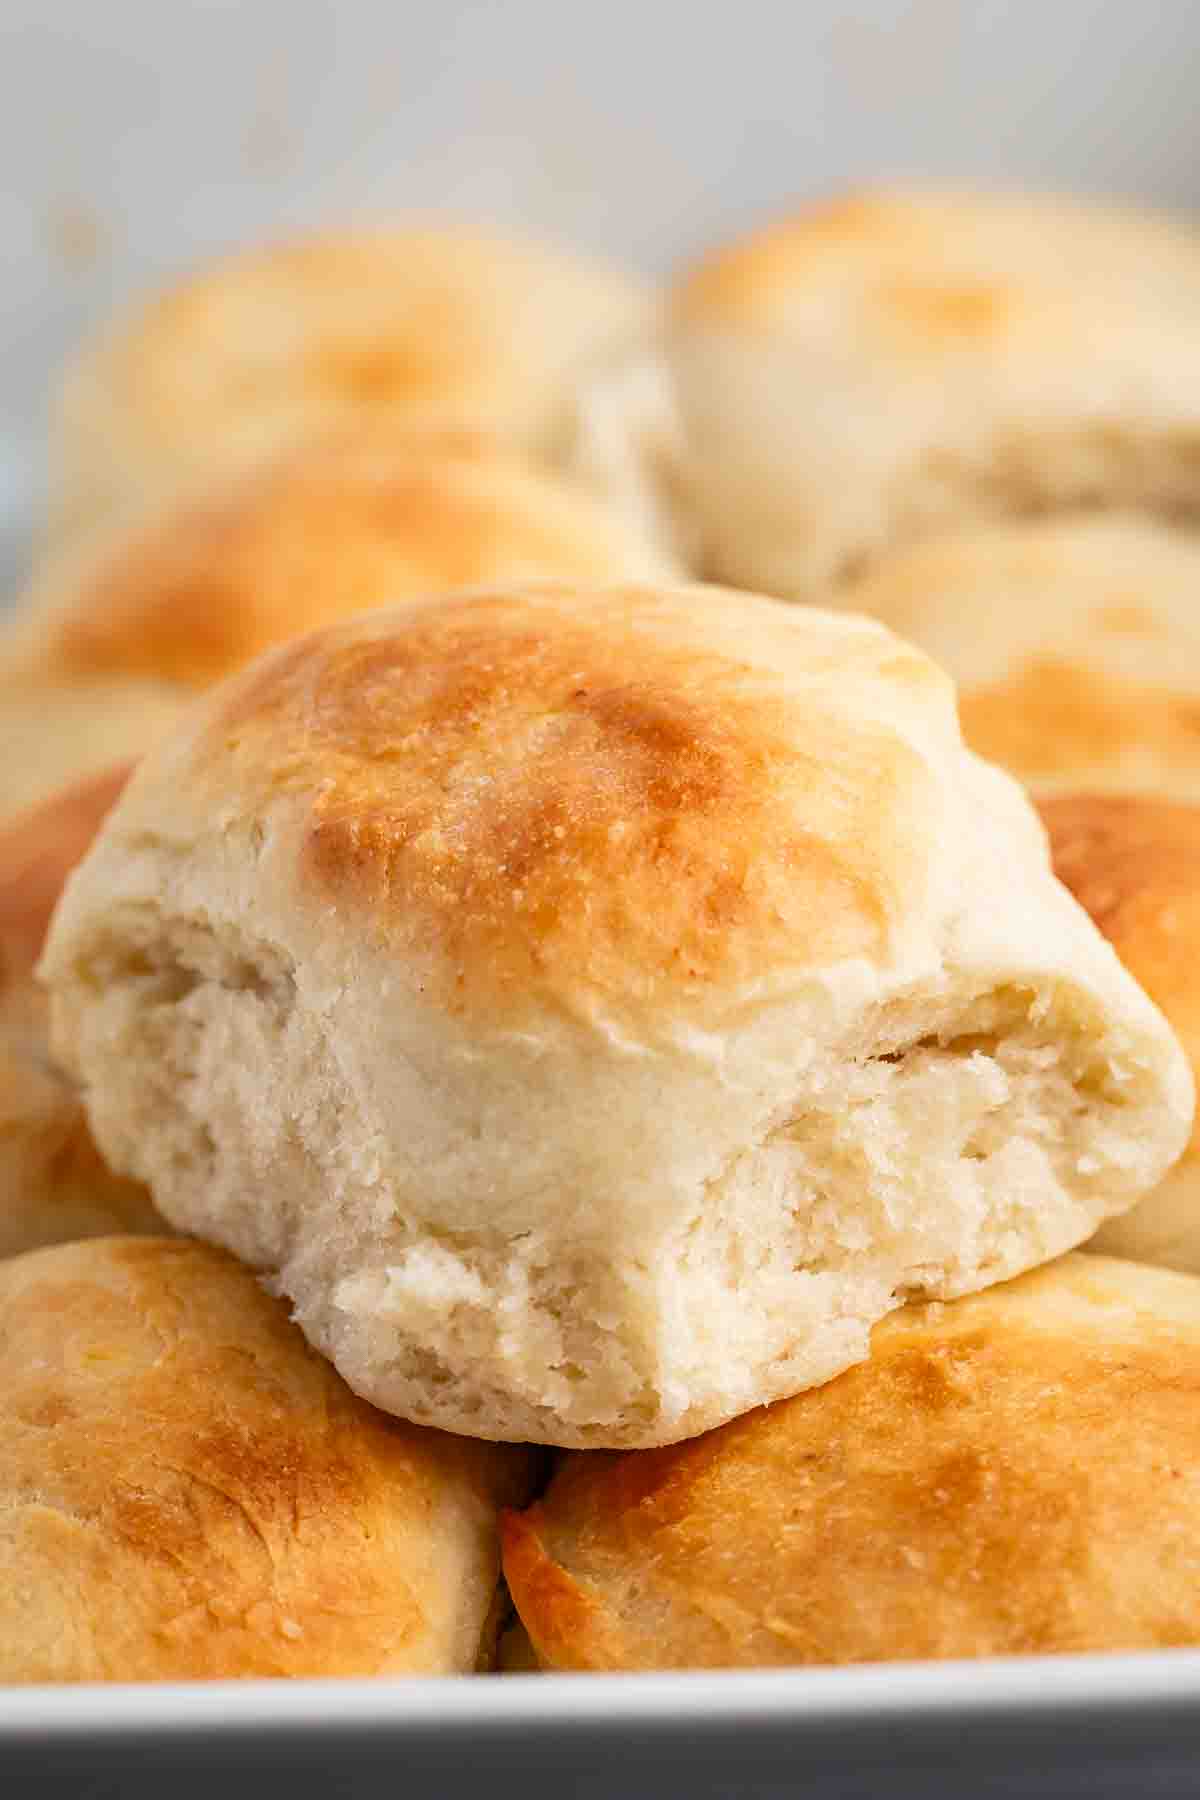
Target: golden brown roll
{"x":894,"y":363}
{"x":597,"y":1006}
{"x":1134,"y":863}
{"x":188,"y":1492}
{"x":37,"y":853}
{"x":1013,"y":1473}
{"x":119,"y":633}
{"x":54,"y":1185}
{"x":420,"y":327}
{"x":1075,"y":644}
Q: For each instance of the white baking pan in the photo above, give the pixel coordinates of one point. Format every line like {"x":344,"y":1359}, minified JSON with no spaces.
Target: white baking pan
{"x":1086,"y":1728}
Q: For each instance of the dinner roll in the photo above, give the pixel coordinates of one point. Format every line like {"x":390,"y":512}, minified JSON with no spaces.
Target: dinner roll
{"x":54,"y":1185}
{"x":55,"y":730}
{"x":1135,"y":865}
{"x":417,"y":327}
{"x":596,"y":1007}
{"x":1075,"y":644}
{"x":1011,"y":1474}
{"x":188,"y":1492}
{"x":119,"y":633}
{"x":38,"y":850}
{"x":892,"y":363}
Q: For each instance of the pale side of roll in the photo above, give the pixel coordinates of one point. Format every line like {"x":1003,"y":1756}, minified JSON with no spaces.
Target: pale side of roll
{"x":893,"y":363}
{"x":595,"y":1008}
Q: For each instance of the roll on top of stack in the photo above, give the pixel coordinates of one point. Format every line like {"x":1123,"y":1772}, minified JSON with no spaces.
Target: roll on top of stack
{"x":1012,"y":1474}
{"x":597,"y":1007}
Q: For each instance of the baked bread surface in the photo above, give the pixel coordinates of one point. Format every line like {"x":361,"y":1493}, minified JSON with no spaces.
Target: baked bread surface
{"x":54,"y":1184}
{"x":596,"y":1007}
{"x":1013,"y":1473}
{"x":418,"y":327}
{"x":1134,"y":863}
{"x":896,"y":362}
{"x":120,"y":629}
{"x":1074,"y":644}
{"x":188,"y":1492}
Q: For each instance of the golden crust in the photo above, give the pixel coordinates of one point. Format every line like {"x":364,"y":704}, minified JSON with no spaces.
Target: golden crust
{"x":414,"y":328}
{"x":743,"y":282}
{"x":574,"y":1630}
{"x":875,"y":371}
{"x":584,"y":789}
{"x":189,"y":1492}
{"x":1133,"y":863}
{"x":317,"y":535}
{"x":526,"y":977}
{"x":1072,"y":643}
{"x":1053,"y":717}
{"x":401,"y":323}
{"x":1011,"y":1473}
{"x":939,"y":269}
{"x":37,"y":853}
{"x":54,"y":1185}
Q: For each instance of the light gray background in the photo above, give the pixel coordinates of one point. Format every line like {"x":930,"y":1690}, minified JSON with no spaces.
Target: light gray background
{"x":137,"y":136}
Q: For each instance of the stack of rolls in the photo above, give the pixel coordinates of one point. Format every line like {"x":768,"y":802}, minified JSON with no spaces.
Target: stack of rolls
{"x":119,"y":632}
{"x":527,"y":995}
{"x":419,"y":328}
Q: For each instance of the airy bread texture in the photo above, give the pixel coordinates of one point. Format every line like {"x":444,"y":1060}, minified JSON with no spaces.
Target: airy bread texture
{"x":890,"y":364}
{"x":596,"y":1007}
{"x":54,"y":1185}
{"x":1015,"y":1473}
{"x":414,"y":328}
{"x":188,"y":1493}
{"x":1135,"y":865}
{"x":1075,"y":644}
{"x":118,"y":633}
